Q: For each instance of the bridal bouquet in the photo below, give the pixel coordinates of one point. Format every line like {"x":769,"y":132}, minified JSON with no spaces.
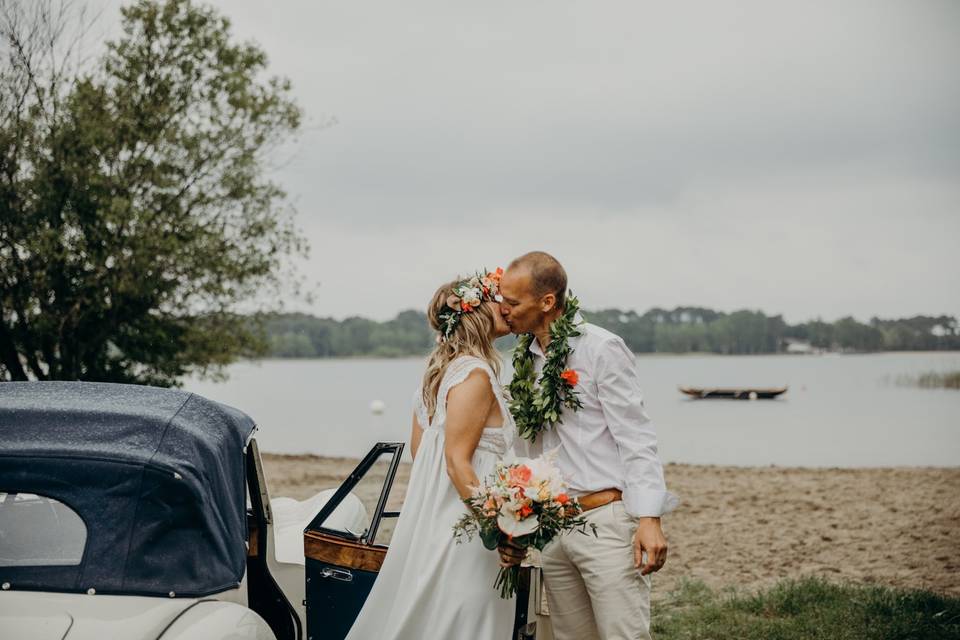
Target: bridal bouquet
{"x":524,"y":502}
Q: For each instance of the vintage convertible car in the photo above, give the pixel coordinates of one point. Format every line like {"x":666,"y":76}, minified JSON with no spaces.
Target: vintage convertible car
{"x":137,"y":512}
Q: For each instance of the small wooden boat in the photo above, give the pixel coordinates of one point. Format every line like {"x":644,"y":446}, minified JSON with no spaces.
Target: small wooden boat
{"x":745,"y":393}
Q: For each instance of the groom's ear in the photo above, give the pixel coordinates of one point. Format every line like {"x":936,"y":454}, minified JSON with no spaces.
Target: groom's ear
{"x":548,"y":302}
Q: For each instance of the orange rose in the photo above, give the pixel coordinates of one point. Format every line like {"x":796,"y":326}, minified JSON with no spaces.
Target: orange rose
{"x":525,"y":510}
{"x":520,"y":476}
{"x":570,"y":377}
{"x":563,"y":498}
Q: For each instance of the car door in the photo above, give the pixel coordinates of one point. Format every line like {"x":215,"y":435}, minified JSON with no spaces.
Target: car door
{"x":346,"y":543}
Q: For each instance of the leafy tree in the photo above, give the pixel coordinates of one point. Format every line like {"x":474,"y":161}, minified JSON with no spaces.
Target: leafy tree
{"x":855,"y":336}
{"x":135,"y":216}
{"x":637,"y":332}
{"x":291,"y":345}
{"x":820,"y":334}
{"x":919,"y":332}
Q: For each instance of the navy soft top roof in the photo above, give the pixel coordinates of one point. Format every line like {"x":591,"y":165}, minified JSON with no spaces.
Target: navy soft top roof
{"x":157,"y":475}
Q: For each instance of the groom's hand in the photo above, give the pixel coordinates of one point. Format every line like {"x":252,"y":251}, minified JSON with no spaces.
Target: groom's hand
{"x":649,"y":538}
{"x":511,"y":554}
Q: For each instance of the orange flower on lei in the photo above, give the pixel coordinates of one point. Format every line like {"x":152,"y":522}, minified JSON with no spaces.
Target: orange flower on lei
{"x":570,"y":377}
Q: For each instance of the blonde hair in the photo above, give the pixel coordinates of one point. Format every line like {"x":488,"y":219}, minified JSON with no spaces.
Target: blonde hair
{"x":473,"y":336}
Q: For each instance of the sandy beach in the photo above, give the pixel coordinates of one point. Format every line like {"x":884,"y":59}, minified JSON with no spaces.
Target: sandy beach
{"x":747,"y":527}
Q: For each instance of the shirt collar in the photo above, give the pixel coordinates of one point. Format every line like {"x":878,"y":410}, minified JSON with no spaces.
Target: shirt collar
{"x":535,"y":347}
{"x":573,"y":340}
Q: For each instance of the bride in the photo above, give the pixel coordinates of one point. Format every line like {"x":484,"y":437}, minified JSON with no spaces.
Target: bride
{"x":429,"y":586}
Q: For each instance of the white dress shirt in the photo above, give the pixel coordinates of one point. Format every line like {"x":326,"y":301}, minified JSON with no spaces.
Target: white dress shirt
{"x":609,"y":443}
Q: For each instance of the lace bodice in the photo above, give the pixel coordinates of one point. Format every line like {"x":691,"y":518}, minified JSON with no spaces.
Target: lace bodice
{"x":495,"y":439}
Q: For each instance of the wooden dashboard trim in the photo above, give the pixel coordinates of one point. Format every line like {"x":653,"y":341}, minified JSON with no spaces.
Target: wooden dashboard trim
{"x":342,"y":553}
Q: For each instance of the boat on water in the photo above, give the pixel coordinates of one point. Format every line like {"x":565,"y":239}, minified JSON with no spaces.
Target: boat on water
{"x":734,"y":393}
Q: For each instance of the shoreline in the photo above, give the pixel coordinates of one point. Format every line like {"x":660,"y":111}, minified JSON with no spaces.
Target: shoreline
{"x":639,"y":354}
{"x":749,"y":527}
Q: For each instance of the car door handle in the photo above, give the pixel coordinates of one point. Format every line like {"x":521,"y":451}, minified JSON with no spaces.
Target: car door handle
{"x":336,"y":574}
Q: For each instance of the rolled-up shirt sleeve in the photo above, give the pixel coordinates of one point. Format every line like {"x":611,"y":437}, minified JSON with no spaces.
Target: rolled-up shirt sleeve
{"x":618,"y":386}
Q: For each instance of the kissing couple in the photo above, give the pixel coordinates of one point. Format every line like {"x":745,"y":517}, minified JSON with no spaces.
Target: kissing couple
{"x":465,"y":422}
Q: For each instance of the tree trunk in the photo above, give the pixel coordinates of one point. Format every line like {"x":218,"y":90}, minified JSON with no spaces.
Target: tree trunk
{"x":9,"y":356}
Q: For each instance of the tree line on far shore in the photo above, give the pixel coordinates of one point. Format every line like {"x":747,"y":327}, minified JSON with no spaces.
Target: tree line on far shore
{"x":681,"y":330}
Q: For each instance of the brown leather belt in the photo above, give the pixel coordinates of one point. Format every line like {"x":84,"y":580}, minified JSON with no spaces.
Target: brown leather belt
{"x":599,"y":498}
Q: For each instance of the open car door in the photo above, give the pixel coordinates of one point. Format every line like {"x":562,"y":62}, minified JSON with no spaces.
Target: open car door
{"x":345,"y":544}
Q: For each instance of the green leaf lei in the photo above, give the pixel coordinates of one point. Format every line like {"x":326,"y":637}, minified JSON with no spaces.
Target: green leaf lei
{"x":536,"y":407}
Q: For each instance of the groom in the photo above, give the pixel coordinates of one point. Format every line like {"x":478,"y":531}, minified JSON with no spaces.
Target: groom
{"x":597,"y":588}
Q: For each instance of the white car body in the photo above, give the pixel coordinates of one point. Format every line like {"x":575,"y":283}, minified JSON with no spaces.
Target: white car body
{"x":139,"y":513}
{"x":71,"y":616}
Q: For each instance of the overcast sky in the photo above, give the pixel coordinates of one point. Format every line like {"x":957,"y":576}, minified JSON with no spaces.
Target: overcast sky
{"x":800,"y":158}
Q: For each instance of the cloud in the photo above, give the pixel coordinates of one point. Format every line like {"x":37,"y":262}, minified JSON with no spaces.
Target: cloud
{"x":778,"y":246}
{"x":795,"y":157}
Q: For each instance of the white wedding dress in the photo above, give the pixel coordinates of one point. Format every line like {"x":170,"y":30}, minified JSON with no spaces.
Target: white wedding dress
{"x":429,"y":586}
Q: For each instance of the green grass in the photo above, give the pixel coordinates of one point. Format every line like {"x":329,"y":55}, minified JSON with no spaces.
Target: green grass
{"x":807,"y":609}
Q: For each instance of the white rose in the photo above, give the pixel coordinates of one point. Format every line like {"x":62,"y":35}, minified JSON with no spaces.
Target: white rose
{"x":511,"y":526}
{"x":545,"y":477}
{"x":472,"y":297}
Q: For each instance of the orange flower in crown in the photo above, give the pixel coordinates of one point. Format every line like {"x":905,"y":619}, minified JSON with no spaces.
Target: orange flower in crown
{"x":465,"y":297}
{"x":491,"y":281}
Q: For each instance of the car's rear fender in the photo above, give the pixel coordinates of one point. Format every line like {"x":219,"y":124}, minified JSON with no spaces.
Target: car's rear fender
{"x":209,"y":620}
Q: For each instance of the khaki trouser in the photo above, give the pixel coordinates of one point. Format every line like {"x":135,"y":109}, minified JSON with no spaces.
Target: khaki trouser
{"x":593,"y":589}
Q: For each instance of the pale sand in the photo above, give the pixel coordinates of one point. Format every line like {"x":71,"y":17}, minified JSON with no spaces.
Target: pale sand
{"x":748,"y":527}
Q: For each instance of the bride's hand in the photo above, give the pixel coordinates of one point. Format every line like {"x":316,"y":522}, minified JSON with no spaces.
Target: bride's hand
{"x":510,"y":554}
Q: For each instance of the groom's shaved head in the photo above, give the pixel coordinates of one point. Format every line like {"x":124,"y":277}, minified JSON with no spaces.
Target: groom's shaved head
{"x":546,"y":274}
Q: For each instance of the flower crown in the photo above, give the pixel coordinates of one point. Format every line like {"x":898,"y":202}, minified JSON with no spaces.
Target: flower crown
{"x":465,"y":297}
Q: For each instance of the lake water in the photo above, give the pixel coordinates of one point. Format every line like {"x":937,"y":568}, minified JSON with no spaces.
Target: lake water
{"x":840,"y":410}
